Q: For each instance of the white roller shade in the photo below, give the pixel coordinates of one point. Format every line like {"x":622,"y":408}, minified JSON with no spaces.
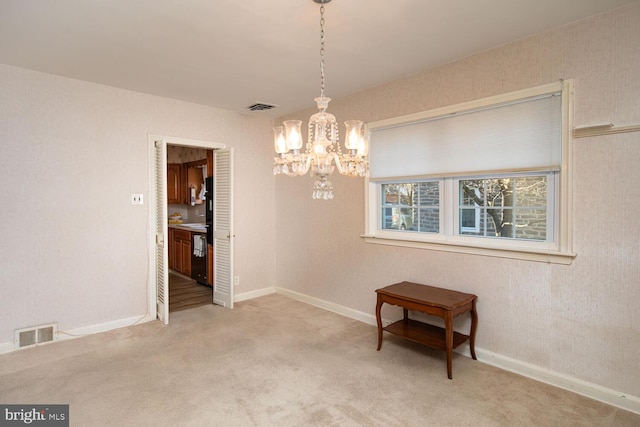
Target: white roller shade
{"x":520,"y":135}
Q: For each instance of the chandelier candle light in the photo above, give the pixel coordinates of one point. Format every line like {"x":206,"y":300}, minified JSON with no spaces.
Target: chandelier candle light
{"x":322,"y":152}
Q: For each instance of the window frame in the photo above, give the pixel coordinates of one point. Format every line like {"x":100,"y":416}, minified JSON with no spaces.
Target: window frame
{"x":559,"y":251}
{"x":476,"y":216}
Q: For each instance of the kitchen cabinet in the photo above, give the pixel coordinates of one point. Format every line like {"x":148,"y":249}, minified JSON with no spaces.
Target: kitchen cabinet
{"x":210,"y":265}
{"x":171,"y":250}
{"x":180,"y":251}
{"x":193,"y":173}
{"x":210,"y":161}
{"x":185,"y":249}
{"x":175,"y":188}
{"x":181,"y":178}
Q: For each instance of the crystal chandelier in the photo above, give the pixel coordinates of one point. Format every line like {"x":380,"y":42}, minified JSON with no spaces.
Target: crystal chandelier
{"x":322,"y":153}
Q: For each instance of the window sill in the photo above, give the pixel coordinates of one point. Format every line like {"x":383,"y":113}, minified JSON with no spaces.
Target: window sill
{"x":551,"y":257}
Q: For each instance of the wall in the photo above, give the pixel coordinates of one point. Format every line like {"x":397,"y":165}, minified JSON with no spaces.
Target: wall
{"x":580,"y":321}
{"x":74,"y":250}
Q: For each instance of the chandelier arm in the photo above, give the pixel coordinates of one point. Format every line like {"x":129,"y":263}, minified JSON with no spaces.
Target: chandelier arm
{"x":337,"y":160}
{"x":307,"y":164}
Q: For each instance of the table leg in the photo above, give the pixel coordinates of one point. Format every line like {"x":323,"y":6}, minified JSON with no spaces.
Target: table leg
{"x":448,"y":324}
{"x":405,"y":313}
{"x":379,"y":320}
{"x":474,"y":327}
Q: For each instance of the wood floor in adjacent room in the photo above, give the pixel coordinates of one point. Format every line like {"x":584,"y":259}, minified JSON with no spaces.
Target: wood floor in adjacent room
{"x":186,"y":293}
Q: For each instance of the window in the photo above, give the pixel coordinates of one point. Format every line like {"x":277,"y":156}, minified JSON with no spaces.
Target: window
{"x":411,"y":206}
{"x":490,"y":176}
{"x":505,"y":207}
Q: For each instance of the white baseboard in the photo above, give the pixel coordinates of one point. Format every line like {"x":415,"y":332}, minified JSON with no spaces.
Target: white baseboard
{"x":86,"y":330}
{"x":103,"y":327}
{"x":576,"y":385}
{"x":557,"y":379}
{"x":254,"y":294}
{"x":585,"y":388}
{"x":6,"y":347}
{"x":336,"y":308}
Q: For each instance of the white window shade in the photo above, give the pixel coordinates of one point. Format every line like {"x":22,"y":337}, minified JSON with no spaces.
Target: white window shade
{"x":523,"y":135}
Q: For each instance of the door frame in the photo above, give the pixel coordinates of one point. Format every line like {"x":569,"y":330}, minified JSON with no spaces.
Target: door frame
{"x":151,"y":230}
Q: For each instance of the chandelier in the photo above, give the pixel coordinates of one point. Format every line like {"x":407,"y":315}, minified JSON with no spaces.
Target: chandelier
{"x":322,"y":153}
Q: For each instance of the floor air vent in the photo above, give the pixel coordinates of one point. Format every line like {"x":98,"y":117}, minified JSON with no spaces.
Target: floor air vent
{"x":260,"y":106}
{"x":29,"y":337}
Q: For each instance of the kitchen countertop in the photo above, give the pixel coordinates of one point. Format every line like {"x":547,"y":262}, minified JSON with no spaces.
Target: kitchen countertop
{"x":193,"y":227}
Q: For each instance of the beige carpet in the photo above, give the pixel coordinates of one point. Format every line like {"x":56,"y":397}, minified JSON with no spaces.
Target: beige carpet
{"x":274,"y":361}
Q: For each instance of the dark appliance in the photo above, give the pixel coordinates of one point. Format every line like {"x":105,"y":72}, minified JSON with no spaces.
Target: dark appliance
{"x":209,"y":209}
{"x":199,"y":257}
{"x":200,"y":241}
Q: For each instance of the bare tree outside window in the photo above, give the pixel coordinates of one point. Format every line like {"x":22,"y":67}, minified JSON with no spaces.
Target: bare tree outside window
{"x":502,"y":207}
{"x":509,"y":207}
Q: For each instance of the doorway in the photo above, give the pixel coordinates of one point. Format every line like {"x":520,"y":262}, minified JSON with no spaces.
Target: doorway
{"x":222,"y":223}
{"x":190,"y":209}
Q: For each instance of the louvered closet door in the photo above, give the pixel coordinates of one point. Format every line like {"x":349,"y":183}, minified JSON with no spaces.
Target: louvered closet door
{"x":223,"y":228}
{"x":162,"y":251}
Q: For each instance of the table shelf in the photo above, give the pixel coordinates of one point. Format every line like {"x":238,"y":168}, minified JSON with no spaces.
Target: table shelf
{"x":424,"y":333}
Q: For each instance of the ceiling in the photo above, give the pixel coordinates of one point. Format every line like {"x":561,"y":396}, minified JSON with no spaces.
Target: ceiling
{"x":234,"y":53}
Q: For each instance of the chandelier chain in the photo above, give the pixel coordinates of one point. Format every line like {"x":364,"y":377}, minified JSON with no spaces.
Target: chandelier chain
{"x":322,"y":50}
{"x":322,"y":153}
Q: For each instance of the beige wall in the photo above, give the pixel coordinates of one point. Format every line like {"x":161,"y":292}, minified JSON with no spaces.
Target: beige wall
{"x":580,"y":320}
{"x":74,"y":250}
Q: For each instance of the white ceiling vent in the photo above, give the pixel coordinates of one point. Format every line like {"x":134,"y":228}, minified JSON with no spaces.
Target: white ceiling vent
{"x":259,"y":106}
{"x":35,"y":335}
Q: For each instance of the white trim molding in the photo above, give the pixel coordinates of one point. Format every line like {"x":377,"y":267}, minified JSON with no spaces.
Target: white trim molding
{"x":329,"y":306}
{"x":549,"y":257}
{"x":603,"y":129}
{"x":254,"y":294}
{"x":7,"y":347}
{"x":557,"y":379}
{"x":63,"y":335}
{"x":557,"y":250}
{"x":585,"y":388}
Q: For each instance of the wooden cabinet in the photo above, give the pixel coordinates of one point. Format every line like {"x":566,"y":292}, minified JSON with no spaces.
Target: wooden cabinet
{"x":175,"y":188}
{"x":181,"y":178}
{"x":180,"y":252}
{"x":185,"y":248}
{"x":210,"y":270}
{"x":194,"y":178}
{"x":210,"y":160}
{"x":172,"y":252}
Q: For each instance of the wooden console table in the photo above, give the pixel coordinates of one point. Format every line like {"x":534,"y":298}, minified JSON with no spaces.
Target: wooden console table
{"x":440,"y":302}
